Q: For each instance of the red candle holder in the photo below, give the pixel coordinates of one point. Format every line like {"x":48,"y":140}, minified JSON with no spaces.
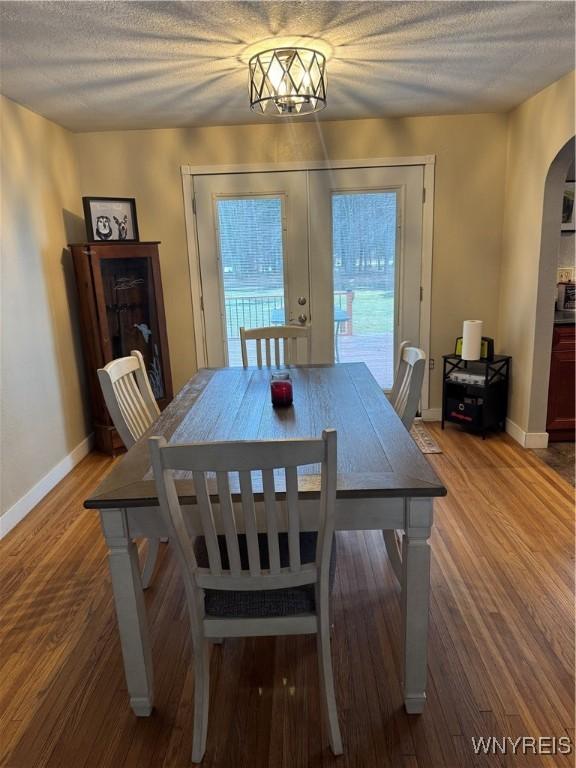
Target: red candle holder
{"x":281,"y":390}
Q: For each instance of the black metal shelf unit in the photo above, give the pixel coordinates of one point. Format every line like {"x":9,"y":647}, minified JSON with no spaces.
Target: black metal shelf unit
{"x":475,"y":393}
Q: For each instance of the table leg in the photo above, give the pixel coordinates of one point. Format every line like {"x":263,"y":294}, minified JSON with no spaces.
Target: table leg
{"x":416,"y":601}
{"x":130,"y":610}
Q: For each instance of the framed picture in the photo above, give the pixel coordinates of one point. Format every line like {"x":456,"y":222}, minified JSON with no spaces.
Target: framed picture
{"x":110,"y":218}
{"x":568,"y":221}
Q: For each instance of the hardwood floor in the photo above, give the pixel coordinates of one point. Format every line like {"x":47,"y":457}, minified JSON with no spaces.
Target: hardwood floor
{"x":562,"y":458}
{"x":500,"y":658}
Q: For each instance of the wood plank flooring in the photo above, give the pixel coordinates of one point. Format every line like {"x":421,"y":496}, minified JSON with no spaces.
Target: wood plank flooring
{"x":501,"y":639}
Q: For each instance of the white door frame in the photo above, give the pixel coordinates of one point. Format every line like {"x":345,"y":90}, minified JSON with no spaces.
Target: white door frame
{"x":427,"y":161}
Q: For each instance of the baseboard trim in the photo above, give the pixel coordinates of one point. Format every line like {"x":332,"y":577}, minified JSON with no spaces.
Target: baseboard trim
{"x":526,"y":439}
{"x":432,"y":414}
{"x":24,"y":505}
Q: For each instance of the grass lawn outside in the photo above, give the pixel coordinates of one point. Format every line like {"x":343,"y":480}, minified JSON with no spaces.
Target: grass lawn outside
{"x":372,"y":310}
{"x":372,"y":313}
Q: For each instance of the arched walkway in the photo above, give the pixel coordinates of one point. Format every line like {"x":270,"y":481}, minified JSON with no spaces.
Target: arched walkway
{"x":549,"y":245}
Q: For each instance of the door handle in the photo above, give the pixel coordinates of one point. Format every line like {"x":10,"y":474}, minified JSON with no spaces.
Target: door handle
{"x":302,"y":300}
{"x":302,"y":318}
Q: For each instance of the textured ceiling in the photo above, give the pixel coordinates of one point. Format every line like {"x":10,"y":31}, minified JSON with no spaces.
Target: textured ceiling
{"x":111,"y":65}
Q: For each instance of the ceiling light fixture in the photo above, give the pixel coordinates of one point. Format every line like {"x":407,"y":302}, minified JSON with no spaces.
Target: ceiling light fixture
{"x":287,"y":81}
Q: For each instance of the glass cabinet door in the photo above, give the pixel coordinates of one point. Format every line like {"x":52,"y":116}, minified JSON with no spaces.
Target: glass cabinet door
{"x":131,"y":316}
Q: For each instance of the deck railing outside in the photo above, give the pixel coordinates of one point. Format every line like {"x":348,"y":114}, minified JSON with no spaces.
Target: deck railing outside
{"x":256,"y":311}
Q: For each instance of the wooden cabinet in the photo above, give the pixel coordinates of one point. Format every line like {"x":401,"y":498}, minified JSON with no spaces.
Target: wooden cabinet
{"x":561,"y":422}
{"x":121,"y":309}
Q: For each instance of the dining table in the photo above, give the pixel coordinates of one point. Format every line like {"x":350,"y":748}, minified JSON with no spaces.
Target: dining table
{"x":384,"y":483}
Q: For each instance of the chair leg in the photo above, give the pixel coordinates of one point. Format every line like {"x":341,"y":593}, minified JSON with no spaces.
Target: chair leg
{"x":201,"y":700}
{"x":327,"y":682}
{"x":393,"y":544}
{"x":150,"y":562}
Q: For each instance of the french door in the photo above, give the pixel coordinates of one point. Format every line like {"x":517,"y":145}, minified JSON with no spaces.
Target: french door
{"x":253,"y":247}
{"x":338,"y":250}
{"x":366,"y":245}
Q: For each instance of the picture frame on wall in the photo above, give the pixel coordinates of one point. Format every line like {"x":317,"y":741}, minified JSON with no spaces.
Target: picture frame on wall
{"x":110,"y":219}
{"x":568,"y":220}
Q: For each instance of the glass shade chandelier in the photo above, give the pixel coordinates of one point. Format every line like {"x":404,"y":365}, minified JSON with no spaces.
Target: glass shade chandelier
{"x":287,"y":81}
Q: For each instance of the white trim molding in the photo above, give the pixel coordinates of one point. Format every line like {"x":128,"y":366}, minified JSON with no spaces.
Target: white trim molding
{"x":24,"y":505}
{"x":431,"y":414}
{"x":526,"y":439}
{"x":426,"y":276}
{"x":305,"y":165}
{"x":194,"y":268}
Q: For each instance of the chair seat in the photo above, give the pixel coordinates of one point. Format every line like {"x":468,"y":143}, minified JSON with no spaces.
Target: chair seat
{"x":265,"y":603}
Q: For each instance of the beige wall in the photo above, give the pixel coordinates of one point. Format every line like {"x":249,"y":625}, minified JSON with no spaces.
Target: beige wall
{"x":42,"y":409}
{"x":538,"y":129}
{"x":471,"y":156}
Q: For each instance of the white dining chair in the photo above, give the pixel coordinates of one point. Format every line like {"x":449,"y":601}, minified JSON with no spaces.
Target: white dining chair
{"x":395,"y":384}
{"x":286,"y":353}
{"x":407,"y":387}
{"x":133,"y":409}
{"x":405,"y":398}
{"x":243,"y":583}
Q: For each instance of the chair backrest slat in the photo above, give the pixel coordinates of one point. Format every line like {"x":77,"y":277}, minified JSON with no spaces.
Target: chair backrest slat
{"x":259,"y":353}
{"x":271,"y":522}
{"x":287,"y":351}
{"x":250,"y":528}
{"x":229,"y":523}
{"x":133,"y":401}
{"x":122,"y":386}
{"x":407,"y":388}
{"x":207,"y":520}
{"x":128,"y":396}
{"x":268,"y":353}
{"x":403,"y":389}
{"x":286,"y":455}
{"x":124,"y":404}
{"x":397,"y":379}
{"x":293,"y":518}
{"x":133,"y":404}
{"x":139,"y":403}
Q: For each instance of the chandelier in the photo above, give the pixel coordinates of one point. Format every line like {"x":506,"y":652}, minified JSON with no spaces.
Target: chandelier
{"x":287,"y":81}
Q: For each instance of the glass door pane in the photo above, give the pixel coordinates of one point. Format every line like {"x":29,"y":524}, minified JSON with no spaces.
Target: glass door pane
{"x":253,"y":255}
{"x":132,"y":322}
{"x":364,"y":264}
{"x":250,"y":243}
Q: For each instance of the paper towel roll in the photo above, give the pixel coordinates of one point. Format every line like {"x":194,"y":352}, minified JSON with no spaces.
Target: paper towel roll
{"x":471,"y":339}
